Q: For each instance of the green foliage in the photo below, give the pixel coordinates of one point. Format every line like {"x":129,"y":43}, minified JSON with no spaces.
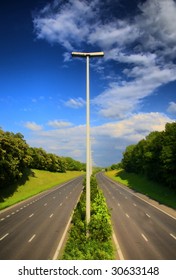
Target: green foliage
{"x":14,"y":157}
{"x":97,"y":245}
{"x":154,"y":156}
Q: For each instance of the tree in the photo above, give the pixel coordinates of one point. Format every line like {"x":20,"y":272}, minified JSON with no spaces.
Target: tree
{"x":14,"y":157}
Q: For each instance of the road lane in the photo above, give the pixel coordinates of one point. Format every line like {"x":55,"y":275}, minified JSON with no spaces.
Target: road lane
{"x":143,"y":232}
{"x":33,"y":228}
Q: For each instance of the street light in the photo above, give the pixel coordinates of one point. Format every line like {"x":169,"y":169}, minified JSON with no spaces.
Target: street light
{"x":87,"y":56}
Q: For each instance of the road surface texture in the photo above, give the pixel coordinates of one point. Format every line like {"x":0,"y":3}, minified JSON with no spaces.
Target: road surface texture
{"x":32,"y":229}
{"x":143,"y":231}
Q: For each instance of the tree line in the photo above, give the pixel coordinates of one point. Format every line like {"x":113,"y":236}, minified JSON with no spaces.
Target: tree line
{"x":16,"y":156}
{"x":154,"y":156}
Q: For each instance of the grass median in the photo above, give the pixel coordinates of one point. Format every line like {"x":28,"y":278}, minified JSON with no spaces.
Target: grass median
{"x":39,"y":181}
{"x":142,"y":185}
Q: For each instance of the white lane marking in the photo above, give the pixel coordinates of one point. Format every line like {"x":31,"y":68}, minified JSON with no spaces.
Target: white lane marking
{"x":13,"y":213}
{"x":66,"y":197}
{"x":117,"y":246}
{"x":32,"y":238}
{"x":126,"y":197}
{"x":145,"y":238}
{"x":4,"y":236}
{"x":134,"y":204}
{"x":31,"y":215}
{"x":60,"y":204}
{"x":17,"y":210}
{"x":7,"y":216}
{"x":118,"y":204}
{"x":54,"y":197}
{"x":51,"y":215}
{"x":45,"y":204}
{"x":2,"y":219}
{"x":148,"y":215}
{"x":21,"y":208}
{"x":127,"y":215}
{"x":173,"y":236}
{"x":142,"y":199}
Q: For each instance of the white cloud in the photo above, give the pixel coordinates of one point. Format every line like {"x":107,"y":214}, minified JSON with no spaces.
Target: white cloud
{"x":121,"y":100}
{"x":143,"y":42}
{"x":59,"y":123}
{"x":75,"y":102}
{"x":108,"y":140}
{"x":69,"y":24}
{"x":172,"y":108}
{"x":33,"y":126}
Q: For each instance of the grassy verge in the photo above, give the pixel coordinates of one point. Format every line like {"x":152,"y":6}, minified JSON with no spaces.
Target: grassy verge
{"x":98,"y":244}
{"x":141,"y":184}
{"x":38,"y":181}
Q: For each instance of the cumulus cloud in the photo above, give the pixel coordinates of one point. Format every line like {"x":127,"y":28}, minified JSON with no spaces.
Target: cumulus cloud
{"x":172,"y":108}
{"x":33,"y":126}
{"x":108,"y":141}
{"x":146,"y":43}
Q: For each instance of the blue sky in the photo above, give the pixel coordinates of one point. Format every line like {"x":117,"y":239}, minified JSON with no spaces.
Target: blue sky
{"x":42,"y":88}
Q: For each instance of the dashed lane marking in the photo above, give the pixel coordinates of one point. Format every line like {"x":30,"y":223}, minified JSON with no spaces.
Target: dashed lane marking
{"x":127,"y":215}
{"x":45,"y":204}
{"x":60,"y":204}
{"x":173,"y":236}
{"x":148,"y":215}
{"x":30,"y":240}
{"x":31,"y":215}
{"x":145,"y":238}
{"x":118,"y":204}
{"x":51,"y":215}
{"x":134,"y":204}
{"x":4,"y":236}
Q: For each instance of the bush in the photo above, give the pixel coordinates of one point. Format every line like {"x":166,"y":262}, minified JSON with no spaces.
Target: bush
{"x":97,"y":244}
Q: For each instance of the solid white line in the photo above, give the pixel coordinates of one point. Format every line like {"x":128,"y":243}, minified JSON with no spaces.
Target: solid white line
{"x":51,"y":215}
{"x":31,"y":238}
{"x":4,"y":236}
{"x":173,"y":235}
{"x":117,"y":246}
{"x":145,"y":238}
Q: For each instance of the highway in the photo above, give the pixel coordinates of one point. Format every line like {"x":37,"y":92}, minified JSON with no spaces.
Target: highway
{"x":143,"y":231}
{"x":33,"y":229}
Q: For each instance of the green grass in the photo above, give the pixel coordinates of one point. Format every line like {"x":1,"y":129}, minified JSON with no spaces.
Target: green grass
{"x":39,"y":181}
{"x":141,"y":184}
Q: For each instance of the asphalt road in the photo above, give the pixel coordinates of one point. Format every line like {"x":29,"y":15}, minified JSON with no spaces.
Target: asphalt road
{"x":143,"y":231}
{"x":32,"y":229}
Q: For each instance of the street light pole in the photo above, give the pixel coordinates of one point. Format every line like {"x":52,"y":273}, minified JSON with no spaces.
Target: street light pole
{"x":87,"y":56}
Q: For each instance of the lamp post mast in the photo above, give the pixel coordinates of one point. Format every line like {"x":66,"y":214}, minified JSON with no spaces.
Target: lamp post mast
{"x":87,"y":56}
